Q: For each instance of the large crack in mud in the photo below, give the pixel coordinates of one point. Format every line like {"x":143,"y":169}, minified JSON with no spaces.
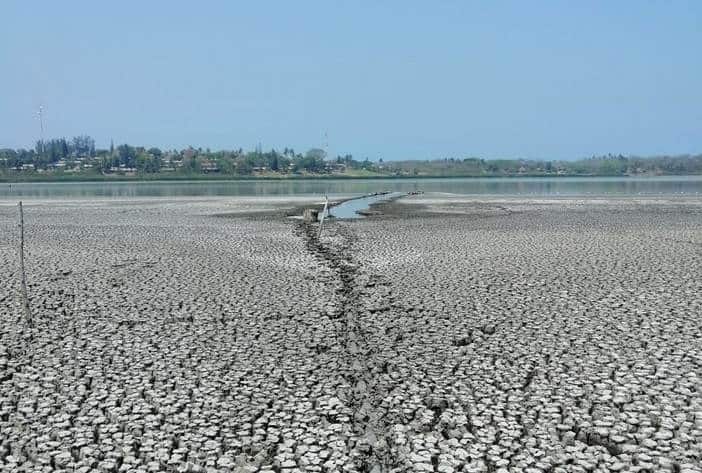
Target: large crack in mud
{"x":364,"y":361}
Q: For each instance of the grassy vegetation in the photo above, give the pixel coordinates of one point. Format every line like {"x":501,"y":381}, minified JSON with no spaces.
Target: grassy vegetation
{"x":62,"y":160}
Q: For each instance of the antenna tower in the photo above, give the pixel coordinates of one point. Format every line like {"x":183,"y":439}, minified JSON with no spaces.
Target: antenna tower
{"x":41,"y":127}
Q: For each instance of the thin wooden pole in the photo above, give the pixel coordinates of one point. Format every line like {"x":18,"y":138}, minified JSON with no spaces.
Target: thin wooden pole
{"x":23,"y":275}
{"x":324,"y":213}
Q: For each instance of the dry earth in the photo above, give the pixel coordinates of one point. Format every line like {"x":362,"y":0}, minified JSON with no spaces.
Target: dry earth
{"x":446,"y":334}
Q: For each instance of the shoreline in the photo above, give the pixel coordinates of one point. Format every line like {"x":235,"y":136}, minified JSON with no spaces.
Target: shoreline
{"x":166,"y":179}
{"x":317,"y":200}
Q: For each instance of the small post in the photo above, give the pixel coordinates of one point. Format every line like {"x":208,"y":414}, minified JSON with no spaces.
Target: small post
{"x":310,"y":215}
{"x":324,"y":213}
{"x":25,"y":297}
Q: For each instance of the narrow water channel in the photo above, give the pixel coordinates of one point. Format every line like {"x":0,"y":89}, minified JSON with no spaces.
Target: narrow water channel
{"x":350,"y":208}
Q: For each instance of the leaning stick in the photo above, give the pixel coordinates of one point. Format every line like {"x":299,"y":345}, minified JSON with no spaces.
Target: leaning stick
{"x":324,"y":213}
{"x":25,"y":297}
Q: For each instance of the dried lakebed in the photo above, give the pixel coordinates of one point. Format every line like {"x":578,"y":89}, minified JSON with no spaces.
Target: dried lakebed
{"x":444,"y":335}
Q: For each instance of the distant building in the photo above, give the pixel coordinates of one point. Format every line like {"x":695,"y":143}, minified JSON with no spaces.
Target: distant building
{"x":335,"y":167}
{"x":123,"y":169}
{"x":209,"y":166}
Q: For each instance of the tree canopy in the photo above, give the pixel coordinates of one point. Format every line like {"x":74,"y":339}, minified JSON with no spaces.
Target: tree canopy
{"x":79,"y":154}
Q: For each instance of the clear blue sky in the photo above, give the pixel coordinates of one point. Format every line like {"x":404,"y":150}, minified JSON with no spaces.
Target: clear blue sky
{"x":397,"y":80}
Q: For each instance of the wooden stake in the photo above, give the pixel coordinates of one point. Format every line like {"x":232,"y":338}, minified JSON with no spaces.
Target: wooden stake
{"x":25,"y":297}
{"x":324,"y":213}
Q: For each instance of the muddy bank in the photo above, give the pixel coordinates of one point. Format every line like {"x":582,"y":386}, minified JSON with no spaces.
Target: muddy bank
{"x":555,"y":335}
{"x":468,"y":335}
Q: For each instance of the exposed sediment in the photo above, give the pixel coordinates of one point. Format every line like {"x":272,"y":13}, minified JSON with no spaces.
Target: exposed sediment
{"x":502,"y":336}
{"x":548,"y":335}
{"x":367,"y":337}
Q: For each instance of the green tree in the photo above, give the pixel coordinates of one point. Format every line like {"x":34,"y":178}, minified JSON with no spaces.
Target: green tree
{"x":155,"y":152}
{"x":83,"y":146}
{"x":126,"y":155}
{"x":313,"y":161}
{"x":274,"y":162}
{"x":243,"y":166}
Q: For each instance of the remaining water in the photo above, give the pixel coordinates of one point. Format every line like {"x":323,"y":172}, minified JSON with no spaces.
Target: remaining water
{"x":350,"y":208}
{"x":526,"y":186}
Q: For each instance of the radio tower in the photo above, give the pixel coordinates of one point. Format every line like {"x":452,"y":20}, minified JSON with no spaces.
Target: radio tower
{"x":41,"y":127}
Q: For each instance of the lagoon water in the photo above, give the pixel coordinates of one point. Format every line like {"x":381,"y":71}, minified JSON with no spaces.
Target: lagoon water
{"x":519,"y":186}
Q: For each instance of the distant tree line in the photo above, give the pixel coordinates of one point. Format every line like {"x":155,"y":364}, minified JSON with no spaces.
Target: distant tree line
{"x":608,"y":165}
{"x":48,"y":152}
{"x":79,"y":155}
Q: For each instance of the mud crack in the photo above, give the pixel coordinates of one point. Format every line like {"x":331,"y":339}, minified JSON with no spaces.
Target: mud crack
{"x":363,"y":364}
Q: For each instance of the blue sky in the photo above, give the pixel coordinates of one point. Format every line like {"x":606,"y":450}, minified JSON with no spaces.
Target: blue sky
{"x":397,"y":80}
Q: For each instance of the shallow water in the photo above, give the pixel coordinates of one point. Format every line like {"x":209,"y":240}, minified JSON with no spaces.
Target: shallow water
{"x":350,"y":208}
{"x":526,"y":186}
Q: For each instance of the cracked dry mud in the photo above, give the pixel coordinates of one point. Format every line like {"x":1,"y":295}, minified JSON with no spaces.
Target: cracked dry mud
{"x":443,"y":335}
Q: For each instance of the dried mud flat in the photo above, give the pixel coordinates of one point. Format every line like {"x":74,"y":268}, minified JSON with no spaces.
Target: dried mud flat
{"x":444,"y":335}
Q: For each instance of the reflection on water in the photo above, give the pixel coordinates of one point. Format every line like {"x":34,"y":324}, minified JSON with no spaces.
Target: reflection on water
{"x":553,"y":186}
